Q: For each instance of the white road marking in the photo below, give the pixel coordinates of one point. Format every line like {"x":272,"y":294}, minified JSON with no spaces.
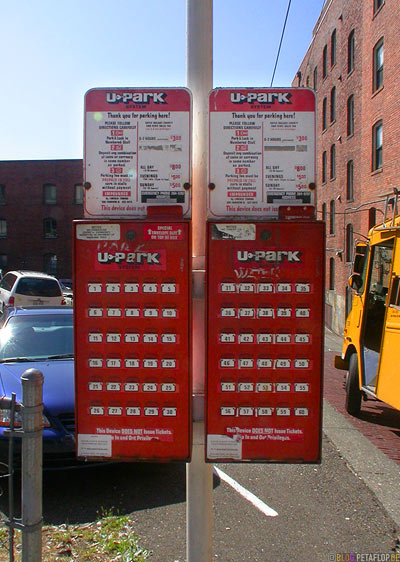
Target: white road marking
{"x":260,"y":505}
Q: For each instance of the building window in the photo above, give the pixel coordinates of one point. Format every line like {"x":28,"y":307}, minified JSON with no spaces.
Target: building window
{"x":49,"y":194}
{"x":324,"y":113}
{"x":350,"y":116}
{"x":3,"y":261}
{"x":350,"y":180}
{"x":377,"y":145}
{"x":349,"y":243}
{"x":315,"y":78}
{"x":332,"y":217}
{"x":333,"y":162}
{"x":371,"y":217}
{"x":324,"y":212}
{"x":350,"y":52}
{"x":324,"y":166}
{"x":331,"y":274}
{"x":377,"y":81}
{"x":3,"y":228}
{"x":324,"y":61}
{"x":2,"y":194}
{"x":378,"y":4}
{"x":333,"y":104}
{"x":49,"y":228}
{"x":333,"y":48}
{"x":50,"y":264}
{"x":78,"y":194}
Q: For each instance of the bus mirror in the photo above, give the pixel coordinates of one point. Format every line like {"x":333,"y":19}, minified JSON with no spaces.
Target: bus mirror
{"x":359,"y":258}
{"x":355,"y":281}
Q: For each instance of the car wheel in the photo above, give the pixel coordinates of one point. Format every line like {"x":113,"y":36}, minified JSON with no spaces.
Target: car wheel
{"x":353,"y":392}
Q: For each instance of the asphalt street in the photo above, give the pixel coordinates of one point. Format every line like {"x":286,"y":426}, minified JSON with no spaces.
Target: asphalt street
{"x":348,"y":504}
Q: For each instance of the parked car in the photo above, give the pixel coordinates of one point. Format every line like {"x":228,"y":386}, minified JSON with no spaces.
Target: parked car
{"x":40,"y":338}
{"x":30,"y":288}
{"x":68,"y":292}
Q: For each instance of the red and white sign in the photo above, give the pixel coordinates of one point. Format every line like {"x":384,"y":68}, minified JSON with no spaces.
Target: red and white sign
{"x":264,"y":341}
{"x":132,"y":339}
{"x":261,"y":150}
{"x":137,"y":150}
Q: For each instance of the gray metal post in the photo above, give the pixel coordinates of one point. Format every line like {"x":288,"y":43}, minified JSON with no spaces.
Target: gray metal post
{"x":199,"y":80}
{"x":199,"y":478}
{"x":32,"y":392}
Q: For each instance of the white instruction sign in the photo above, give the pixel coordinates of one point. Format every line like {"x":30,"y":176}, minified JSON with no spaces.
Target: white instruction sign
{"x":91,"y":445}
{"x":261,"y":150}
{"x":137,"y":151}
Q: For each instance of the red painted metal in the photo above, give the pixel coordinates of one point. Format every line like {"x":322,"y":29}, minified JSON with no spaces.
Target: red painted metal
{"x":265,"y":341}
{"x":133,"y":339}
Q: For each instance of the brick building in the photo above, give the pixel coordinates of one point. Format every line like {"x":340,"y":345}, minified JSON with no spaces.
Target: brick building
{"x":38,"y":201}
{"x":358,"y":129}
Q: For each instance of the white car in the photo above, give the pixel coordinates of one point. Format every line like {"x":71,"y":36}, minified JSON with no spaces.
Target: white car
{"x":30,"y":288}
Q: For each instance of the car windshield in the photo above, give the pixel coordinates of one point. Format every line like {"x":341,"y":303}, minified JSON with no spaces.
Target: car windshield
{"x":36,"y":337}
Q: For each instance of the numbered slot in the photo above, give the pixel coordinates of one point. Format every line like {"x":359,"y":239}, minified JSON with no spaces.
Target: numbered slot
{"x":94,"y":288}
{"x":95,"y":386}
{"x":228,"y":312}
{"x":113,"y":312}
{"x":133,"y":411}
{"x":95,"y":337}
{"x":131,"y":287}
{"x":113,"y":386}
{"x":131,"y":387}
{"x":95,"y":312}
{"x":96,"y":411}
{"x":227,"y":288}
{"x":228,"y":387}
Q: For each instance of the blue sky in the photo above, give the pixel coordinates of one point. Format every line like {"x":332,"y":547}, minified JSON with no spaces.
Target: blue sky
{"x":53,"y":51}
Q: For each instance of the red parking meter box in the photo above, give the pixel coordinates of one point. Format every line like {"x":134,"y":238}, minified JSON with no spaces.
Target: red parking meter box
{"x":265,"y":300}
{"x":132,"y":339}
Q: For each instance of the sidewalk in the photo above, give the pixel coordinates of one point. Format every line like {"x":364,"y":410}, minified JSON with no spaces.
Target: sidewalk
{"x":370,"y":443}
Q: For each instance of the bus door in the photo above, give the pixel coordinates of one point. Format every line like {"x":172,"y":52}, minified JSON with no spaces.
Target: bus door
{"x":375,"y":310}
{"x":388,"y":380}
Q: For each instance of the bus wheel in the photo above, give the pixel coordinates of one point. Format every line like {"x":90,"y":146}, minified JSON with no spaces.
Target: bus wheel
{"x":353,"y":392}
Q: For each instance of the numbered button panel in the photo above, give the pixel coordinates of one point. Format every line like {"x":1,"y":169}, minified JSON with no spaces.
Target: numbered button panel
{"x":133,"y":338}
{"x":265,"y":339}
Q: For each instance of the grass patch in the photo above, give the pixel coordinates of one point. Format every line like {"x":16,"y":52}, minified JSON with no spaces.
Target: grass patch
{"x":109,"y":538}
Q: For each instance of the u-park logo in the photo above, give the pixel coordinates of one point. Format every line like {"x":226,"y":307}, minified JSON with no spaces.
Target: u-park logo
{"x":118,"y":260}
{"x":136,"y":97}
{"x":261,"y":97}
{"x":269,"y":256}
{"x":139,"y":258}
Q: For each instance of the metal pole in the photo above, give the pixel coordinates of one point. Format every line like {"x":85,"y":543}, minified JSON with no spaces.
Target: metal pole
{"x":11,"y":477}
{"x":199,"y":479}
{"x":199,"y":80}
{"x":32,"y":392}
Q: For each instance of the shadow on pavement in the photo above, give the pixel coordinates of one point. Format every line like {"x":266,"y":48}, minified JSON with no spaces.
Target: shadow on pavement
{"x":81,"y":495}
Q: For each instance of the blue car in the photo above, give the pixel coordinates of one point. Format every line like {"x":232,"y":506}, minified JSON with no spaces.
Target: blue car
{"x":40,"y":338}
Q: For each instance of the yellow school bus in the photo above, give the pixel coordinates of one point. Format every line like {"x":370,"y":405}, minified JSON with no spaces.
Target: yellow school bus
{"x":371,"y":346}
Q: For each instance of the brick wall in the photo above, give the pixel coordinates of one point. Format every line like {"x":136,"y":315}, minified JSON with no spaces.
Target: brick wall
{"x":357,"y":16}
{"x":24,"y":210}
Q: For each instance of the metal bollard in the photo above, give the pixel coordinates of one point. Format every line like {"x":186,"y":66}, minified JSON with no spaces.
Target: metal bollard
{"x":32,"y":424}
